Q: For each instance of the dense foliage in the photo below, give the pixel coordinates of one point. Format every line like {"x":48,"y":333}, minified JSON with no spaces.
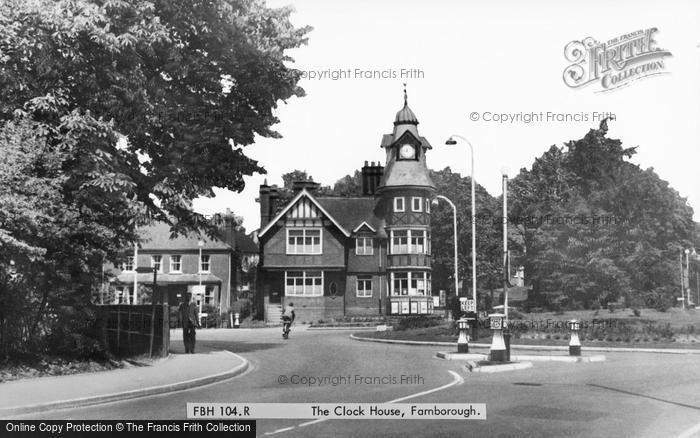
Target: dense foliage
{"x":595,"y":228}
{"x":114,"y":113}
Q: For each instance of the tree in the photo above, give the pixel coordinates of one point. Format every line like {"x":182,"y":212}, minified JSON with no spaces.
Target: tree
{"x":187,"y":83}
{"x":289,"y":178}
{"x":599,"y":228}
{"x":458,"y":190}
{"x":119,"y":113}
{"x":349,"y":185}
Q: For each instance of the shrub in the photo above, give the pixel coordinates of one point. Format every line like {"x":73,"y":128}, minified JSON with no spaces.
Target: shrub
{"x":243,"y":307}
{"x":213,"y":318}
{"x":514,"y":314}
{"x":413,"y":322}
{"x":637,"y":312}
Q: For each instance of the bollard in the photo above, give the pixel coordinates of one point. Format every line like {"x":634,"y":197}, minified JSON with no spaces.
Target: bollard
{"x":236,"y":322}
{"x":574,"y":342}
{"x":498,"y":346}
{"x":462,"y":341}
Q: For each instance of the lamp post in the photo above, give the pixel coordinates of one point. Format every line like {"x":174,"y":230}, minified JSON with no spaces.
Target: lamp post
{"x":504,"y":173}
{"x":506,"y":273}
{"x":687,"y":274}
{"x":200,"y":244}
{"x":454,"y":226}
{"x":680,"y":260}
{"x":136,"y":277}
{"x":452,"y":141}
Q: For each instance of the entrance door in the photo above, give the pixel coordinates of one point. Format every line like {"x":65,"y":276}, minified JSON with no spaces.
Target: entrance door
{"x":275,"y":297}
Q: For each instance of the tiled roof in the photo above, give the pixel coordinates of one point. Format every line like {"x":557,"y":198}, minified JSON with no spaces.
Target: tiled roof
{"x":245,"y":243}
{"x":351,"y":212}
{"x":157,"y":236}
{"x":406,"y":173}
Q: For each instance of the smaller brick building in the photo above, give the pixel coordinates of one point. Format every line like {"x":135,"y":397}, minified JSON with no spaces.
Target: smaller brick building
{"x":180,"y":269}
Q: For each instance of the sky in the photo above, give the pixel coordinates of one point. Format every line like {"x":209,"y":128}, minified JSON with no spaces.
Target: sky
{"x":472,"y":62}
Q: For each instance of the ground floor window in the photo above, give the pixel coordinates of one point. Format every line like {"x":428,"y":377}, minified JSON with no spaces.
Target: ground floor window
{"x":303,"y":283}
{"x":410,"y":283}
{"x":364,"y":286}
{"x":209,"y":295}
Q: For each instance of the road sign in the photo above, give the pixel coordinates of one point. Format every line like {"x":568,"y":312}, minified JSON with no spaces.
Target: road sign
{"x":467,"y":305}
{"x":198,"y":289}
{"x":471,"y":306}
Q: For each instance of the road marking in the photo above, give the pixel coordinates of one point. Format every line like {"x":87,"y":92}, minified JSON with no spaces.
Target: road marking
{"x":692,"y":432}
{"x":458,"y":380}
{"x":644,"y":396}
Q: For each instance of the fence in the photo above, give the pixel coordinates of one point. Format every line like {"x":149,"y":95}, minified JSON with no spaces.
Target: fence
{"x":133,"y":330}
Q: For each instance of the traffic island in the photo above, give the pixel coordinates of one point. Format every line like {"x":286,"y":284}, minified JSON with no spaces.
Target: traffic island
{"x":487,"y":366}
{"x":460,"y":356}
{"x":565,"y":359}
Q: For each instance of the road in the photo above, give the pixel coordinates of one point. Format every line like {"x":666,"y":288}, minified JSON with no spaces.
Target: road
{"x":631,"y":394}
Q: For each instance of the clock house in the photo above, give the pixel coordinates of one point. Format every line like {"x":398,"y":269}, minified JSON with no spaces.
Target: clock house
{"x":353,"y":256}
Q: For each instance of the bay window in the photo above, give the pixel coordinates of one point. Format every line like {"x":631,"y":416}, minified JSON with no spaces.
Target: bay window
{"x":411,"y":283}
{"x":410,"y":242}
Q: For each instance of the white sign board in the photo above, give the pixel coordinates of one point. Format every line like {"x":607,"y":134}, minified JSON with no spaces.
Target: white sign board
{"x":198,"y":289}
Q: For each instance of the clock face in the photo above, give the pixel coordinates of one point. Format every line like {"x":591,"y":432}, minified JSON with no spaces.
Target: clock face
{"x":407,"y":151}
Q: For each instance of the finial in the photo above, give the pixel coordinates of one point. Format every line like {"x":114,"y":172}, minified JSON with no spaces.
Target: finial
{"x":405,"y":95}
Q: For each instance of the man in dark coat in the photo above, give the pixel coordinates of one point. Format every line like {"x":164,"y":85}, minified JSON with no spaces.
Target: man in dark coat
{"x":189,"y":317}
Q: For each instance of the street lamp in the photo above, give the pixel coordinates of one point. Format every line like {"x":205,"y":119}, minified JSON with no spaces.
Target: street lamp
{"x":454,"y":225}
{"x":452,"y":141}
{"x":506,"y":274}
{"x":504,"y":173}
{"x":200,"y":244}
{"x":687,"y":273}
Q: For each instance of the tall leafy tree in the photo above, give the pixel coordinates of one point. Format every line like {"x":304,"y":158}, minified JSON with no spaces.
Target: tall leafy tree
{"x":133,"y":109}
{"x":598,"y":228}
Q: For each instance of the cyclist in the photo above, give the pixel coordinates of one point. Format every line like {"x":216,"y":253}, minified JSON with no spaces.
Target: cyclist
{"x":288,"y":316}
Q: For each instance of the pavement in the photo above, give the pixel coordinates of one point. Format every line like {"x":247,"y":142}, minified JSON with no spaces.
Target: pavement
{"x":177,"y":372}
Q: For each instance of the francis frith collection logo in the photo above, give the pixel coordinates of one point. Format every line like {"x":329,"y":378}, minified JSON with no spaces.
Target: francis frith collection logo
{"x":615,"y":63}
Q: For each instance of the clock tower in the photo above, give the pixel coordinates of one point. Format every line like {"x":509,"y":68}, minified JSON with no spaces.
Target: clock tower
{"x":404,"y":196}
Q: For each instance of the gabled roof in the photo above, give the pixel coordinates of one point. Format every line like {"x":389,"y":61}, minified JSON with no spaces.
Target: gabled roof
{"x":291,"y":203}
{"x":364,"y":224}
{"x":245,"y":243}
{"x":390,"y":139}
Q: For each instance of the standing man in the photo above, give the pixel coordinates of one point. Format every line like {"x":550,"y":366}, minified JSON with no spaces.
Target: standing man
{"x":189,"y":317}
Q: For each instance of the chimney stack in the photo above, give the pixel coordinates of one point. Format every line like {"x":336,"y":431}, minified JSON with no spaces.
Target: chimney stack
{"x":269,"y":197}
{"x":264,"y":200}
{"x":371,"y":177}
